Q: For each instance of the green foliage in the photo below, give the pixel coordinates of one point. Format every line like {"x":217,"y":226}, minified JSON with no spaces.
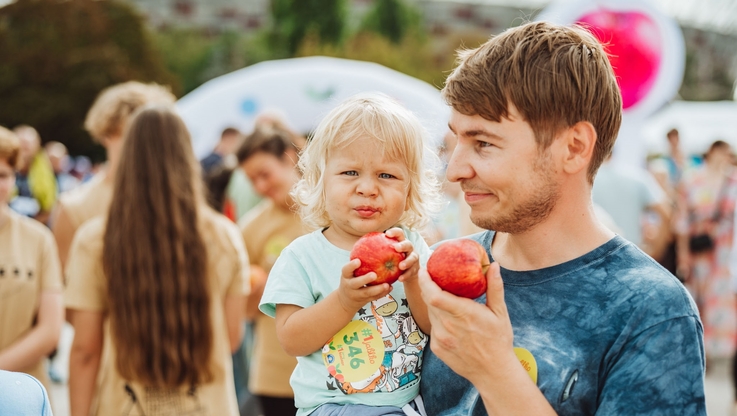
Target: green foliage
{"x":411,"y":55}
{"x":56,"y":56}
{"x":392,"y":19}
{"x":294,"y":19}
{"x":196,"y":56}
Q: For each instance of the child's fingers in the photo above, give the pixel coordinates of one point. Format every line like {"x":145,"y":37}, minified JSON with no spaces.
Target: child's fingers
{"x":377,"y":291}
{"x":360,"y":281}
{"x":395,"y":233}
{"x":404,"y":246}
{"x":411,"y":260}
{"x":350,"y":267}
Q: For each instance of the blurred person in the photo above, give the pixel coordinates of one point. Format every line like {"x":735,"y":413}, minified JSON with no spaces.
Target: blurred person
{"x":675,"y":159}
{"x":269,"y":158}
{"x":31,"y":305}
{"x":82,"y":169}
{"x":230,"y":138}
{"x":35,"y":183}
{"x":61,"y":164}
{"x":106,"y":121}
{"x":23,"y":395}
{"x":705,"y":239}
{"x":628,"y":194}
{"x":157,"y":286}
{"x":664,"y":243}
{"x":240,"y":190}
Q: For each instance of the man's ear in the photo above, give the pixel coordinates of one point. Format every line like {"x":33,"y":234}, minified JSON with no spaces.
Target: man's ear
{"x":579,"y":142}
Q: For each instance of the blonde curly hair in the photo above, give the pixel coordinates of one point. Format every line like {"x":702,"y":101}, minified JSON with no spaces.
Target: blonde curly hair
{"x":114,"y":105}
{"x":403,"y":138}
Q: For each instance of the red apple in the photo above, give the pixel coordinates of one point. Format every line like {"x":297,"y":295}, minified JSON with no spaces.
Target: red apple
{"x":459,"y":267}
{"x":377,"y":254}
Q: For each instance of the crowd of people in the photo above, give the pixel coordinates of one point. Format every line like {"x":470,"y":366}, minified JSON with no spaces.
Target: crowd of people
{"x":225,"y":286}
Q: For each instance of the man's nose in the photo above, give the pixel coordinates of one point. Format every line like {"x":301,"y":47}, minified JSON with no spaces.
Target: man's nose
{"x":459,"y":166}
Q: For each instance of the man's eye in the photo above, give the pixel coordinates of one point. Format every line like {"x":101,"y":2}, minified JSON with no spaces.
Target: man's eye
{"x":386,"y":176}
{"x":483,"y":144}
{"x":350,"y":173}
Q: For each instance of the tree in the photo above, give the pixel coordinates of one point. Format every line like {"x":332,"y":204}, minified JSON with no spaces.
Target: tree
{"x":295,"y":19}
{"x":56,"y":56}
{"x":393,"y":19}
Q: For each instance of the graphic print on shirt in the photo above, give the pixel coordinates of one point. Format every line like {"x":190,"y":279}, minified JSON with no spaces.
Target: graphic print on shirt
{"x":16,"y":280}
{"x":379,"y":352}
{"x":162,"y":402}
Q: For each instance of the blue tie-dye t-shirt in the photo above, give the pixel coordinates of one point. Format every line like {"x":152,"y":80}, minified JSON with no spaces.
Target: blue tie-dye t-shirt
{"x":611,"y":333}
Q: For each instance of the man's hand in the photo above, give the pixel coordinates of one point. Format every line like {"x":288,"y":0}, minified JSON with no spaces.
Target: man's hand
{"x":471,"y":338}
{"x":476,"y":341}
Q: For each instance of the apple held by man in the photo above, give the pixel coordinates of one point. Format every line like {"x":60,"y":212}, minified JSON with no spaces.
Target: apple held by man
{"x":459,"y":267}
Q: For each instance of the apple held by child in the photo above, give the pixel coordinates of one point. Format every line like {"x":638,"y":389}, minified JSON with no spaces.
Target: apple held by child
{"x":459,"y":267}
{"x":377,"y":254}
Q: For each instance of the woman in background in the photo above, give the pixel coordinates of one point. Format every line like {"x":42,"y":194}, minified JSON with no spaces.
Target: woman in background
{"x":269,"y":158}
{"x":705,"y":230}
{"x":157,"y":286}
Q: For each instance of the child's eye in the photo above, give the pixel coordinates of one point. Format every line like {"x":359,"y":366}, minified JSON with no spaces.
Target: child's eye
{"x":386,"y":176}
{"x":350,"y":173}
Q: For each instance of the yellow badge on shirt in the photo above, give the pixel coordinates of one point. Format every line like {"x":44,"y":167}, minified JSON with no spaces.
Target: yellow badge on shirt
{"x":528,"y":362}
{"x":354,"y":353}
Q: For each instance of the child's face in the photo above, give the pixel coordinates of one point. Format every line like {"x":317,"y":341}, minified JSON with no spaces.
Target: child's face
{"x":7,"y":180}
{"x":364,"y":190}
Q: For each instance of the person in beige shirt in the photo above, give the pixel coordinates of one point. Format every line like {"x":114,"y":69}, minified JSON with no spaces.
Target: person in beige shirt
{"x":105,"y":121}
{"x":31,"y":305}
{"x":157,"y":287}
{"x":268,"y":157}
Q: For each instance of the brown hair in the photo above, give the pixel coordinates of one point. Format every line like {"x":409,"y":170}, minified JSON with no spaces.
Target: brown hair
{"x":155,"y":259}
{"x":556,"y":76}
{"x":114,"y":105}
{"x":9,"y":147}
{"x":268,"y":140}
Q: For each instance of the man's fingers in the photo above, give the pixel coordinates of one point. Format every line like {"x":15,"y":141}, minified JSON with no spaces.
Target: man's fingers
{"x":435,"y":296}
{"x":495,"y":290}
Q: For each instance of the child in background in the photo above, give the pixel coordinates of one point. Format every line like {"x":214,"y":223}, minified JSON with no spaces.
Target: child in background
{"x":363,"y":171}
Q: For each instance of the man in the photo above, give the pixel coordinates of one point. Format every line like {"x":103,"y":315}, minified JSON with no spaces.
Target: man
{"x":31,"y":304}
{"x":628,"y":194}
{"x":35,"y":181}
{"x":230,"y":138}
{"x":575,"y":320}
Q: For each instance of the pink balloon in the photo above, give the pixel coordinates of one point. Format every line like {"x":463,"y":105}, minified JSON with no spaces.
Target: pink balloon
{"x":634,"y":46}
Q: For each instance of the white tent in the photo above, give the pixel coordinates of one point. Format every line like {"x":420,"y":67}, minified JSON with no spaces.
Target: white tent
{"x":699,"y":124}
{"x":303,"y":90}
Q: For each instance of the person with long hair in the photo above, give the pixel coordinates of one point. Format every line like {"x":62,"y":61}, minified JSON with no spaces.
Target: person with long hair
{"x":268,"y":156}
{"x":157,"y":287}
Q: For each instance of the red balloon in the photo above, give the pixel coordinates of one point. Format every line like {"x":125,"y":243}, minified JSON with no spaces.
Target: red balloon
{"x":634,"y":46}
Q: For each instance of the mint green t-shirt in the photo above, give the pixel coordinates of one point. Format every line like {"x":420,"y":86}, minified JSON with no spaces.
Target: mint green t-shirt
{"x":376,"y":359}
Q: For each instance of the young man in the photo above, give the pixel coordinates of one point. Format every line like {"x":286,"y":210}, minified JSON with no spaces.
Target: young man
{"x":31,"y":306}
{"x":576,"y":320}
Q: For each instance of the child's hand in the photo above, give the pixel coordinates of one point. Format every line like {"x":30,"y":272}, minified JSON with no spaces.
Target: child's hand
{"x":353,"y":292}
{"x":410,"y":264}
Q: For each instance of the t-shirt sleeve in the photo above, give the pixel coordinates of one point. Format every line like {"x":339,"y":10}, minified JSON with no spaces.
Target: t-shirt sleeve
{"x":85,"y":288}
{"x":659,"y":372}
{"x":288,"y":283}
{"x":49,"y":265}
{"x":419,"y":246}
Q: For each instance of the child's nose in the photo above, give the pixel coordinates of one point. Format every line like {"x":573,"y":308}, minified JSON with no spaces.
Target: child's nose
{"x":367,"y":187}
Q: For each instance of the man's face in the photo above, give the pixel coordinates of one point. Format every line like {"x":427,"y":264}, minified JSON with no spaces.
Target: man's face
{"x":508,"y":182}
{"x":7,"y":180}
